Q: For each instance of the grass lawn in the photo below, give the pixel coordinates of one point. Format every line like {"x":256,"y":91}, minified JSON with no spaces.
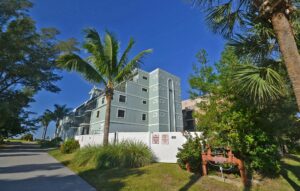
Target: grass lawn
{"x":162,"y":176}
{"x":20,"y":141}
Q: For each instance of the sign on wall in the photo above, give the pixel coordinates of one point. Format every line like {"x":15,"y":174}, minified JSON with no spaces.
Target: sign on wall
{"x":165,"y":139}
{"x":155,"y":138}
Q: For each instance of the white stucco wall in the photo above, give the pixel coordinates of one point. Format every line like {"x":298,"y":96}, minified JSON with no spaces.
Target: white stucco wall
{"x":163,"y":144}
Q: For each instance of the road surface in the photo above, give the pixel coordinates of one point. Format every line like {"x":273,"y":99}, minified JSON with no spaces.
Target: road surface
{"x":26,"y":167}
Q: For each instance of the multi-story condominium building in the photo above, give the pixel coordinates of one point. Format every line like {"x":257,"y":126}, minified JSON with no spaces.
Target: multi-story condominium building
{"x":77,"y":122}
{"x":148,"y":102}
{"x":189,"y":107}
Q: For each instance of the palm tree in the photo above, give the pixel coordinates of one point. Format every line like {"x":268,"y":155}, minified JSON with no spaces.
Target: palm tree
{"x":103,"y":65}
{"x":59,"y":112}
{"x":45,"y":119}
{"x":259,"y":84}
{"x":281,"y":16}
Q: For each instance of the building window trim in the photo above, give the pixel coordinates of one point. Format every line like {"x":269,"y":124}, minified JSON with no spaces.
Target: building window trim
{"x":125,"y":99}
{"x":118,"y":113}
{"x":144,"y":117}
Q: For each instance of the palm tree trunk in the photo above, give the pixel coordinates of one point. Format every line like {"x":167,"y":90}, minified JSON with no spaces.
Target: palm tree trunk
{"x":107,"y":119}
{"x":45,"y":132}
{"x":56,"y":128}
{"x":289,"y":50}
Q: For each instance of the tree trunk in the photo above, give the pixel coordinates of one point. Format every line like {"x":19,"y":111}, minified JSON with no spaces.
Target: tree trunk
{"x":45,"y":132}
{"x":107,"y":119}
{"x":56,"y":129}
{"x":289,"y":50}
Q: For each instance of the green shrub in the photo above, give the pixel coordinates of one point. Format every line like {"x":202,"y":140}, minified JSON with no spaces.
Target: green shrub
{"x":190,"y":153}
{"x":87,"y":156}
{"x":69,"y":146}
{"x":27,"y":137}
{"x":127,"y":154}
{"x":56,"y":141}
{"x":135,"y":154}
{"x":1,"y":139}
{"x":53,"y":143}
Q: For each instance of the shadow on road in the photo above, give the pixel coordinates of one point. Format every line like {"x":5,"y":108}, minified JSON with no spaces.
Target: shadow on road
{"x":30,"y":168}
{"x":45,"y":183}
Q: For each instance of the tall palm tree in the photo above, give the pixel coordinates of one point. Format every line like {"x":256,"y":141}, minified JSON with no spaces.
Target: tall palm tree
{"x":103,"y":65}
{"x":45,"y":119}
{"x":59,"y":112}
{"x":282,"y":16}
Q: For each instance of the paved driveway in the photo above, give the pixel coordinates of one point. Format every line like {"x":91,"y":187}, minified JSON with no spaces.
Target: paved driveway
{"x":26,"y":167}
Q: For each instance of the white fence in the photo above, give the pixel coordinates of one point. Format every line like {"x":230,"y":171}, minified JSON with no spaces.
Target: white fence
{"x":163,"y":144}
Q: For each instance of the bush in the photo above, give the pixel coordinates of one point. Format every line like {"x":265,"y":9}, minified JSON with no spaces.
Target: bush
{"x":69,"y":146}
{"x":56,"y":141}
{"x":135,"y":154}
{"x":53,"y":143}
{"x":127,"y":154}
{"x":1,"y":139}
{"x":27,"y":137}
{"x":87,"y":156}
{"x":190,"y":153}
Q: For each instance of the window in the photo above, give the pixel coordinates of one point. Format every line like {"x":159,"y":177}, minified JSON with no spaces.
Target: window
{"x":122,"y":98}
{"x":144,"y":89}
{"x":121,"y":113}
{"x":144,"y":117}
{"x":144,"y":102}
{"x":145,"y":78}
{"x":103,"y":99}
{"x":98,"y":113}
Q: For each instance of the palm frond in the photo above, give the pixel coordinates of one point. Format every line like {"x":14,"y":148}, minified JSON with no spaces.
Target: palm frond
{"x":73,"y":62}
{"x":113,"y":45}
{"x":46,"y":118}
{"x":203,"y":3}
{"x":111,"y":48}
{"x":108,"y":49}
{"x":253,"y":46}
{"x":126,"y":71}
{"x":224,"y":18}
{"x":124,"y":58}
{"x":60,"y":111}
{"x":261,"y":84}
{"x":93,"y":41}
{"x":93,"y":44}
{"x":258,"y":41}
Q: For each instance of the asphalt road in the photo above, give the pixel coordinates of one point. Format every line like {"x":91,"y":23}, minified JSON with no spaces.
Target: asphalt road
{"x":26,"y":167}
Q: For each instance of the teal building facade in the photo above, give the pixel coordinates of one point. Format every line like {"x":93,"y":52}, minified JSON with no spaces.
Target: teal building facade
{"x":149,"y":102}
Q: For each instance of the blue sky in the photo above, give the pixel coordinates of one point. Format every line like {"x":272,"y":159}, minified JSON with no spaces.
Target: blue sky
{"x":172,"y":28}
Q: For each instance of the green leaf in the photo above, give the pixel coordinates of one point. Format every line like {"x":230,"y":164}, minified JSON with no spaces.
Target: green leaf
{"x":261,"y":84}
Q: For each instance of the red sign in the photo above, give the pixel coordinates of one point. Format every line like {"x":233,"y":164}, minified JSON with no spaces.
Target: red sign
{"x":155,"y":138}
{"x":165,"y":139}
